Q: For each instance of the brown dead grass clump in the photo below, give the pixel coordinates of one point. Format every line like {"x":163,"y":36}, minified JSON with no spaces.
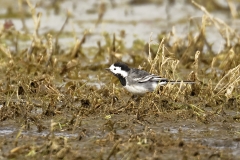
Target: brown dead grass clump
{"x":46,"y":91}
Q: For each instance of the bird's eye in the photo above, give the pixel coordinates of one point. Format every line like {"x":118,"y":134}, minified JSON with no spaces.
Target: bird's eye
{"x":114,"y":69}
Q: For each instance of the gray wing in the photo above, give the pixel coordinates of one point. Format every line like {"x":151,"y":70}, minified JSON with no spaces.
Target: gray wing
{"x":142,"y":76}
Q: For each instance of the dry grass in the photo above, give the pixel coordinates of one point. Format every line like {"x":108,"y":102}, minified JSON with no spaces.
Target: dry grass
{"x":50,"y":92}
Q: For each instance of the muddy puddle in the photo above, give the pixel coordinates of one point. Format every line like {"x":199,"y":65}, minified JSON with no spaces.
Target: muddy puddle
{"x":57,"y":101}
{"x":150,"y":137}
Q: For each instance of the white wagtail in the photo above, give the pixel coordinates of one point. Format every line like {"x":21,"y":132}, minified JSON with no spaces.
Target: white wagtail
{"x":138,"y":81}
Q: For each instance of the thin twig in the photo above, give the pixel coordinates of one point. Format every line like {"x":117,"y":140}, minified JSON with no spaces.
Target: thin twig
{"x":61,"y":30}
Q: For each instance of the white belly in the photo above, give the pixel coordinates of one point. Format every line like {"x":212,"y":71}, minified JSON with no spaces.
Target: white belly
{"x":139,"y":89}
{"x":136,"y":89}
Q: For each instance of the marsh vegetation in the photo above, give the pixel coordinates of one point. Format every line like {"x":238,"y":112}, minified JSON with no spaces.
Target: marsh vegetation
{"x":58,"y":102}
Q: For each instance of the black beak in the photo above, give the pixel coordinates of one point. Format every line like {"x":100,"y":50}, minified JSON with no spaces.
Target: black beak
{"x":108,"y":69}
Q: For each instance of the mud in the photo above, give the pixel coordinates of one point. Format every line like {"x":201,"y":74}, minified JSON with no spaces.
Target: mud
{"x":58,"y":102}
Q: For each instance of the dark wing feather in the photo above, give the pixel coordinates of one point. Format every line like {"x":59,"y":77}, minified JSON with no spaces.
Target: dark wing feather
{"x":152,"y":78}
{"x":142,"y":76}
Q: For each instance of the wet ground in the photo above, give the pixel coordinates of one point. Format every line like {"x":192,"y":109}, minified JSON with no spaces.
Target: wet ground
{"x":58,"y":102}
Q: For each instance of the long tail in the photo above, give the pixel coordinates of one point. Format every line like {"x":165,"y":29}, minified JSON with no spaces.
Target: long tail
{"x":174,"y":82}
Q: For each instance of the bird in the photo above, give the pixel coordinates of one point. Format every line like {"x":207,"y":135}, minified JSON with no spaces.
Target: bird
{"x":138,"y":81}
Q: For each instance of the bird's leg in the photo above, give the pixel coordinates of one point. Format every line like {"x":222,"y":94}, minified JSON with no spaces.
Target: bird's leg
{"x":136,"y":97}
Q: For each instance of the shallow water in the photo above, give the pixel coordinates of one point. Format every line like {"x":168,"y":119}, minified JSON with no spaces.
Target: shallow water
{"x":130,"y":22}
{"x":219,"y":135}
{"x":137,"y":21}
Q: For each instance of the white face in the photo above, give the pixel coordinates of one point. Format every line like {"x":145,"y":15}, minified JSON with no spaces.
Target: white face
{"x":118,"y":70}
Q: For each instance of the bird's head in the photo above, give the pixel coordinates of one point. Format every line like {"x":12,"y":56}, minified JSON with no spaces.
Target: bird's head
{"x":119,"y":69}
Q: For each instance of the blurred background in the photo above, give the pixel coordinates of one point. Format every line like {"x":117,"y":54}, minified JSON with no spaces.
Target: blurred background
{"x":53,"y":55}
{"x":130,"y":20}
